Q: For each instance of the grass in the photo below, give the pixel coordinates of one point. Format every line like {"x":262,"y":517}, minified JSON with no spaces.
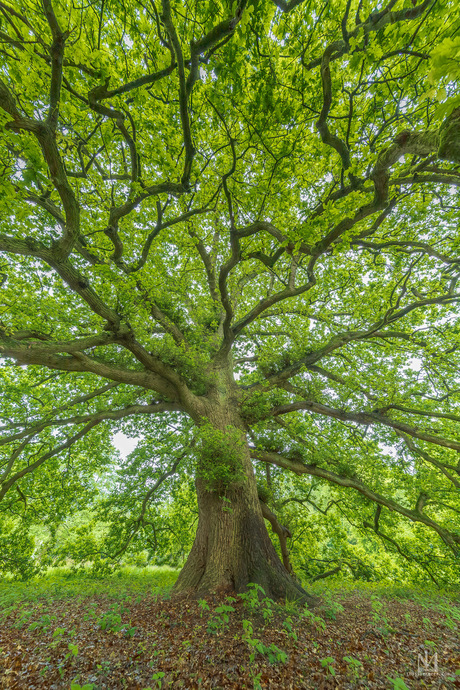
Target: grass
{"x":61,"y":583}
{"x":425,"y":595}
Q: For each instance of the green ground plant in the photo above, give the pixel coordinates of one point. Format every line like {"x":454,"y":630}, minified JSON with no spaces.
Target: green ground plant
{"x":62,"y":582}
{"x":397,"y":683}
{"x":220,"y":618}
{"x":379,"y":616}
{"x":327,"y":664}
{"x":354,"y":667}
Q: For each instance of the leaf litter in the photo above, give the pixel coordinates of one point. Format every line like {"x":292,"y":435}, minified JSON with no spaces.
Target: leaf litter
{"x":352,"y":640}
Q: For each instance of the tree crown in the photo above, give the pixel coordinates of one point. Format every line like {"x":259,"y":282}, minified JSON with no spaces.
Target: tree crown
{"x":252,"y":201}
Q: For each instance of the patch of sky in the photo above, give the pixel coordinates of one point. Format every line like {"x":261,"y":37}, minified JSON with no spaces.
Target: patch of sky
{"x":414,"y":363}
{"x":124,"y":444}
{"x":388,"y":450}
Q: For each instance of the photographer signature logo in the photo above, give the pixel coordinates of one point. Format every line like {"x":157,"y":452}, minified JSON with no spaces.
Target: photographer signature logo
{"x":427,"y":665}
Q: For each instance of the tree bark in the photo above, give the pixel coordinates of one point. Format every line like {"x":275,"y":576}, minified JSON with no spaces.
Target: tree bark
{"x":232,"y":547}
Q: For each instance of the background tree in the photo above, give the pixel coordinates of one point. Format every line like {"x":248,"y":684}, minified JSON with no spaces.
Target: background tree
{"x":239,"y":218}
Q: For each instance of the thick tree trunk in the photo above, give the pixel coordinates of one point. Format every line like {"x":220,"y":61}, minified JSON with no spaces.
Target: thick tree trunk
{"x":232,"y":547}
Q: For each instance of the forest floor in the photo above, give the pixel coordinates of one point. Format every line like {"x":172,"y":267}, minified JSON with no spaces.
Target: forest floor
{"x":129,"y":633}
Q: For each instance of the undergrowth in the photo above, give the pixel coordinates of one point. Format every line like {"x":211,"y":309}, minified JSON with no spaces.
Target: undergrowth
{"x":63,"y":582}
{"x":60,"y":583}
{"x":86,"y":631}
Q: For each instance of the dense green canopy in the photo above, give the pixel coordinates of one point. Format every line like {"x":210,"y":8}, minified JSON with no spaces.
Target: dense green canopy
{"x":265,"y":187}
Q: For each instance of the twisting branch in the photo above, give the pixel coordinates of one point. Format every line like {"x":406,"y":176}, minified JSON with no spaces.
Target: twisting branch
{"x":424,"y":413}
{"x":13,"y":457}
{"x":281,"y":532}
{"x":445,"y":469}
{"x":136,"y":524}
{"x":214,"y":37}
{"x":183,"y":96}
{"x":340,"y":340}
{"x":366,"y":418}
{"x":451,"y":539}
{"x":104,"y":92}
{"x":35,"y":429}
{"x":386,"y":538}
{"x":235,"y":249}
{"x":410,"y":246}
{"x":67,"y":271}
{"x":330,"y":139}
{"x":7,"y":480}
{"x":217,"y":35}
{"x":46,"y":137}
{"x":209,"y":265}
{"x":153,"y":380}
{"x":8,"y":483}
{"x":57,"y":56}
{"x":119,"y":117}
{"x":374,"y":22}
{"x":74,"y":401}
{"x":406,"y":143}
{"x":160,"y":225}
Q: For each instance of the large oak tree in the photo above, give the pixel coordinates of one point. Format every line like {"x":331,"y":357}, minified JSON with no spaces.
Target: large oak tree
{"x":240,"y":215}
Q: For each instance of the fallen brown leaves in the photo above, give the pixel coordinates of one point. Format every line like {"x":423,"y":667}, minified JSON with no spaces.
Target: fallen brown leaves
{"x":150,"y":642}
